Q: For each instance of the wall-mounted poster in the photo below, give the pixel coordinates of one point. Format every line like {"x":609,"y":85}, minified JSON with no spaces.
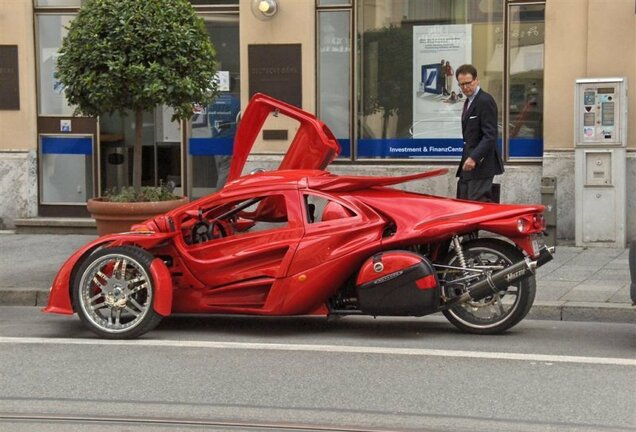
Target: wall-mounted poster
{"x":437,"y":99}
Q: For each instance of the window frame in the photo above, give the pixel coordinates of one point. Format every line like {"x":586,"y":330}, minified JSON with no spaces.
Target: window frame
{"x":507,"y":82}
{"x":356,"y":85}
{"x":347,"y":6}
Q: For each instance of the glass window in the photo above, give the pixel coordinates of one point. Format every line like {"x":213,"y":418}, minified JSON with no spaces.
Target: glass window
{"x":213,"y":127}
{"x":334,"y":72}
{"x":50,"y":32}
{"x":334,"y":2}
{"x":160,"y":149}
{"x":410,"y":103}
{"x":66,"y":169}
{"x":525,"y":85}
{"x":58,"y":3}
{"x":321,"y":209}
{"x":215,"y":2}
{"x":240,"y":217}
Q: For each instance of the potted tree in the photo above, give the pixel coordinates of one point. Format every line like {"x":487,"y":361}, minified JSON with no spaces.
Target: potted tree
{"x":129,"y":56}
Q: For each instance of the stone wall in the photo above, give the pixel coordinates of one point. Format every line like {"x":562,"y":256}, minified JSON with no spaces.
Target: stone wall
{"x":520,"y":184}
{"x":560,"y":164}
{"x":18,"y":186}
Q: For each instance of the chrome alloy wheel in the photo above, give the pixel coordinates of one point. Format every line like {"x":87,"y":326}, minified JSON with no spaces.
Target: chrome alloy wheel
{"x":491,"y":310}
{"x":502,"y":309}
{"x":115,"y":293}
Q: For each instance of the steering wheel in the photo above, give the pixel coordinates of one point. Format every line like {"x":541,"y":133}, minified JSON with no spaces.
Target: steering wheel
{"x":200,"y":232}
{"x":216,"y":230}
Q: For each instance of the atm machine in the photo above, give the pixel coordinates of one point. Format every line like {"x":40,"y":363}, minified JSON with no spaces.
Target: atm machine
{"x":600,"y":161}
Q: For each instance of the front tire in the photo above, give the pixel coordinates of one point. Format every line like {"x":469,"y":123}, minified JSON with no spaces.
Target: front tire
{"x":113,"y":293}
{"x":499,"y":312}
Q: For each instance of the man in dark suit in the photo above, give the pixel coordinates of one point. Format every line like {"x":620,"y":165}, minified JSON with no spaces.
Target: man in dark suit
{"x":481,"y":159}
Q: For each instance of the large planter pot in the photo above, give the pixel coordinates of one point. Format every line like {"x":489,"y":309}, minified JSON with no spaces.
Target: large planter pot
{"x":114,"y":217}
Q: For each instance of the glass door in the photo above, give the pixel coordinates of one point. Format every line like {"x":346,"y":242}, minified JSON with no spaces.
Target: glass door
{"x":161,"y":150}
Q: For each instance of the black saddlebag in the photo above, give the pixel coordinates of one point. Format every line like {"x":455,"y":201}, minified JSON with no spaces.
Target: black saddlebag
{"x":397,"y":283}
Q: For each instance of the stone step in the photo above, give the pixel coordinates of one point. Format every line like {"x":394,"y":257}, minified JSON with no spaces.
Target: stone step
{"x":55,"y":225}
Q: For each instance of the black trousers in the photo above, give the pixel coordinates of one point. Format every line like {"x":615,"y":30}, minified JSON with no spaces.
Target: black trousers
{"x":475,"y":189}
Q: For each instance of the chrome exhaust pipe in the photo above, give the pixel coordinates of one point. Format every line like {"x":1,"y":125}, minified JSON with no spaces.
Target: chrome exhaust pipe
{"x":495,"y":282}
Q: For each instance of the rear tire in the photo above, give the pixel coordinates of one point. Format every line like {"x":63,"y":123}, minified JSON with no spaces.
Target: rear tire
{"x":499,"y":312}
{"x":113,"y":293}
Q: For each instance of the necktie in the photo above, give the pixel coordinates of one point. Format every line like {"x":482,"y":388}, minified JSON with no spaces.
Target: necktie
{"x":465,"y":108}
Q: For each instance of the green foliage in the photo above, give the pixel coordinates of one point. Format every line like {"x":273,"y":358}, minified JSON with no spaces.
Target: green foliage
{"x":389,"y":52}
{"x":136,"y":54}
{"x":148,"y":193}
{"x":133,"y":55}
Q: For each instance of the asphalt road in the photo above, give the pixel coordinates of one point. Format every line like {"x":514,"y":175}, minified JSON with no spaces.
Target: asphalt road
{"x":356,"y":373}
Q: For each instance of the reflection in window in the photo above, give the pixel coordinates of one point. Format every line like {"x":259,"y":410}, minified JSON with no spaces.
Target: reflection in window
{"x":410,"y":102}
{"x":50,"y":32}
{"x":160,"y":149}
{"x":525,"y":89}
{"x":66,"y":167}
{"x":334,"y":2}
{"x":334,"y":70}
{"x":213,"y":126}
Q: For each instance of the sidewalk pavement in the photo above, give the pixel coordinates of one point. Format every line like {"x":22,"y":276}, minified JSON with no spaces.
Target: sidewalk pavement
{"x":580,"y":284}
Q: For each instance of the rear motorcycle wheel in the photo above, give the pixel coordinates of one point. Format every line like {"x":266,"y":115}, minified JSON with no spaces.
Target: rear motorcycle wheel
{"x":498,"y":312}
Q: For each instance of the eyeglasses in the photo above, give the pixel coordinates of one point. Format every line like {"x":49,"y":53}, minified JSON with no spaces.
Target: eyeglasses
{"x":465,"y":84}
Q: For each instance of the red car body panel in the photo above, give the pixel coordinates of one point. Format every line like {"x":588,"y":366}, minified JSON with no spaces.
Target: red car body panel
{"x":313,"y":147}
{"x":332,"y":183}
{"x":163,"y":295}
{"x":59,"y":296}
{"x":296,"y":267}
{"x":433,"y":217}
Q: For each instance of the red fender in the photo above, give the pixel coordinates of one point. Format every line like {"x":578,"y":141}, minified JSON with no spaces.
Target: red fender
{"x":60,"y":296}
{"x":163,"y":287}
{"x":60,"y":292}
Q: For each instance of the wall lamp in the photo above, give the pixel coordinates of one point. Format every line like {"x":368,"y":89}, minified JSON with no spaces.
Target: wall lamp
{"x":264,"y":9}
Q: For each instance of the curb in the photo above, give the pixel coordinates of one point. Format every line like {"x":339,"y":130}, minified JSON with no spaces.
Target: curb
{"x":541,"y":310}
{"x":24,"y":297}
{"x":583,"y":311}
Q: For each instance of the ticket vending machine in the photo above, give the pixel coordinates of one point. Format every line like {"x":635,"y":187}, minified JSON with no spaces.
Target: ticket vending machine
{"x":600,"y":135}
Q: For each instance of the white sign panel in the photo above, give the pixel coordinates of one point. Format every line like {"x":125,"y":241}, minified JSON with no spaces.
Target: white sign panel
{"x":437,"y":100}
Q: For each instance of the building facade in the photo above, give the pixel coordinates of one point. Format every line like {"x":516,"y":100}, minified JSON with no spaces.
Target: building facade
{"x":380,"y":73}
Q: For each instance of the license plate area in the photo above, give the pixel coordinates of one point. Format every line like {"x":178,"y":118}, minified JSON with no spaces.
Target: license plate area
{"x":537,"y":243}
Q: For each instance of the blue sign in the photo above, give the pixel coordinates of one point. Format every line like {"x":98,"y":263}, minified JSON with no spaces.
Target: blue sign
{"x":526,"y":147}
{"x":211,"y":146}
{"x":406,"y":148}
{"x":432,"y":79}
{"x":345,"y":148}
{"x":67,"y":145}
{"x":222,"y":115}
{"x":439,"y":148}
